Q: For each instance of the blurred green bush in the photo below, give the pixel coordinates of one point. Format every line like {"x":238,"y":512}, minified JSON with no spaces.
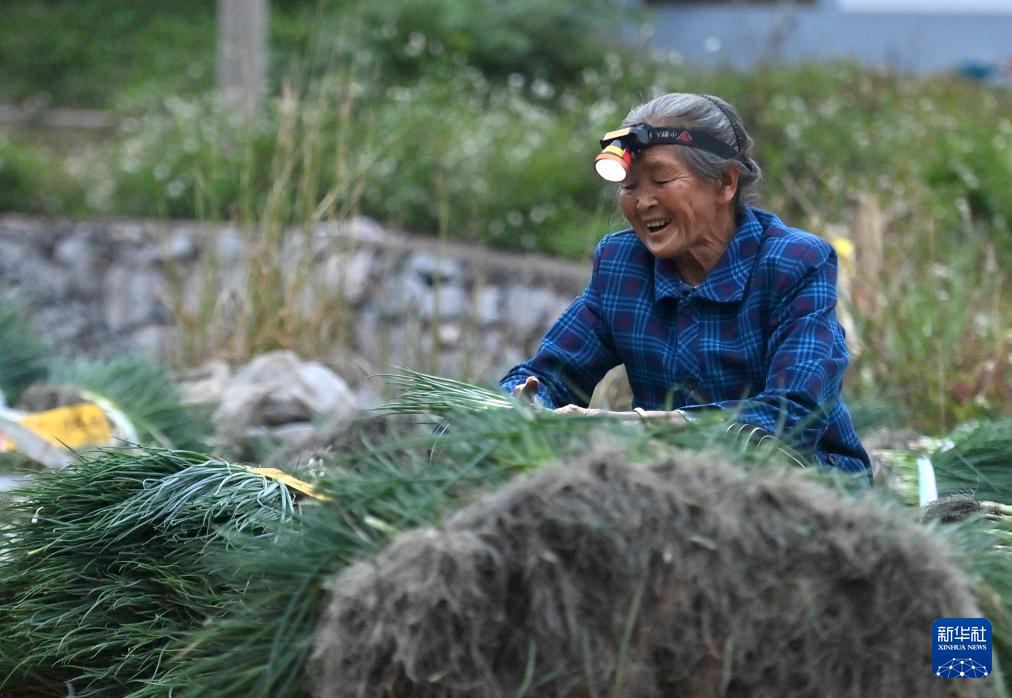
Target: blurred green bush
{"x":34,"y":180}
{"x":104,"y":53}
{"x":514,"y":168}
{"x":489,"y":110}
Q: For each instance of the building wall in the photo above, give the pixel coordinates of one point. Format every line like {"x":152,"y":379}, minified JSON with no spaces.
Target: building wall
{"x":742,"y":34}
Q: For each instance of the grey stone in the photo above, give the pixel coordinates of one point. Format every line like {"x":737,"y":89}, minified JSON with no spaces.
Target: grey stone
{"x":102,"y":287}
{"x":449,"y":303}
{"x":449,"y":362}
{"x":294,"y":434}
{"x":134,"y":297}
{"x":192,"y":289}
{"x":433,"y":270}
{"x":181,"y":246}
{"x":230,"y":246}
{"x":131,"y":232}
{"x":76,"y":254}
{"x":450,"y":334}
{"x":487,"y":306}
{"x":283,"y":409}
{"x":206,"y":383}
{"x":498,"y":354}
{"x":429,"y":287}
{"x":67,"y":324}
{"x":363,"y":230}
{"x":278,"y":388}
{"x":294,"y":254}
{"x":164,"y":247}
{"x":532,"y":310}
{"x":159,"y":342}
{"x":367,"y":397}
{"x":14,"y":254}
{"x":28,"y":269}
{"x":347,"y":275}
{"x":366,"y":333}
{"x":397,"y":297}
{"x":160,"y":247}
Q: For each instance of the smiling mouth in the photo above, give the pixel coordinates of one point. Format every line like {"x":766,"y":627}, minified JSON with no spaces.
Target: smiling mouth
{"x":657,"y":226}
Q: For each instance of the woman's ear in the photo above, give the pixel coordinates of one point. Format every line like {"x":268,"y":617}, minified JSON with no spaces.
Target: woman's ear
{"x":729,"y":183}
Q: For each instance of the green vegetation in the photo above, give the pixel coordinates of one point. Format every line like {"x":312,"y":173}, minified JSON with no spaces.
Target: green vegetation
{"x":184,"y":574}
{"x":481,"y":108}
{"x":478,"y":121}
{"x":33,"y":180}
{"x":473,"y":120}
{"x":121,"y":543}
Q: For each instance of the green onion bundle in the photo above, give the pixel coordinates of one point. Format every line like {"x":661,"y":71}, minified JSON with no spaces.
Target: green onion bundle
{"x":106,"y":562}
{"x":170,"y":573}
{"x":979,"y":460}
{"x":373,"y":494}
{"x":262,"y":647}
{"x":421,"y":393}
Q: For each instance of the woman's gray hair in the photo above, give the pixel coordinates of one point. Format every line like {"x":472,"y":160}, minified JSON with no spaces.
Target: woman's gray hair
{"x":714,"y":117}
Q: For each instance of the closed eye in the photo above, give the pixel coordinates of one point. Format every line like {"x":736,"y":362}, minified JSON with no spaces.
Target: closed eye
{"x":664,"y":176}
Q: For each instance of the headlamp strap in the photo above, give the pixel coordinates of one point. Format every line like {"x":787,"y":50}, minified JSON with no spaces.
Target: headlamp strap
{"x":640,"y":136}
{"x":730,"y":121}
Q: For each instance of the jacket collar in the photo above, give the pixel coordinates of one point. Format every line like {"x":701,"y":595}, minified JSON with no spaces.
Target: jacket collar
{"x":726,"y":282}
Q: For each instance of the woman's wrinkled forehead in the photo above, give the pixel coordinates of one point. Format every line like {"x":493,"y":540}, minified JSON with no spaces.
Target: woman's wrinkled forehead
{"x":660,"y":156}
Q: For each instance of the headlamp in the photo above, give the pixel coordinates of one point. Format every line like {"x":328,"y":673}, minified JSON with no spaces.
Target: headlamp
{"x":614,"y":161}
{"x":620,"y":147}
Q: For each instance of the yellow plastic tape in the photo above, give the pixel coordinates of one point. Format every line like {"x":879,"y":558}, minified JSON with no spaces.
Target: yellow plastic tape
{"x":293,"y":482}
{"x":74,"y":425}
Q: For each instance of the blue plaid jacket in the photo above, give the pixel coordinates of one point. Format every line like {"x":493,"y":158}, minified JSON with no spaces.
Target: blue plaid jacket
{"x":758,"y":337}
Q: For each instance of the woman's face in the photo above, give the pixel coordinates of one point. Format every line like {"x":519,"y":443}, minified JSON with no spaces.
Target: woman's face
{"x":673,"y":212}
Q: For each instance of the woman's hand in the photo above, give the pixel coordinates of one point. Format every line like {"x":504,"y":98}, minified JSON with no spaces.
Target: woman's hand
{"x":528,"y":390}
{"x":585,"y":411}
{"x":675,"y":417}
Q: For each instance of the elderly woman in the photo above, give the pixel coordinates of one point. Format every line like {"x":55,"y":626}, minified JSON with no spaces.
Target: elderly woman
{"x":710,"y":303}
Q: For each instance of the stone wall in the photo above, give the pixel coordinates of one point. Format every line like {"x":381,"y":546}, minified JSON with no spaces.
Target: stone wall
{"x":103,"y":287}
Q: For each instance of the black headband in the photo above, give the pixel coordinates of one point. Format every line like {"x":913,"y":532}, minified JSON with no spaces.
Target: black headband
{"x":737,"y":143}
{"x":639,"y":136}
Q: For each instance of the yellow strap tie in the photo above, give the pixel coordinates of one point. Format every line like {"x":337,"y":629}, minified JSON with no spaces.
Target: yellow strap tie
{"x":293,"y":482}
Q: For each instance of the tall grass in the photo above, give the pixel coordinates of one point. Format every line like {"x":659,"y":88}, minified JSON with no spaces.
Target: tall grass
{"x":933,"y":331}
{"x":270,"y":297}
